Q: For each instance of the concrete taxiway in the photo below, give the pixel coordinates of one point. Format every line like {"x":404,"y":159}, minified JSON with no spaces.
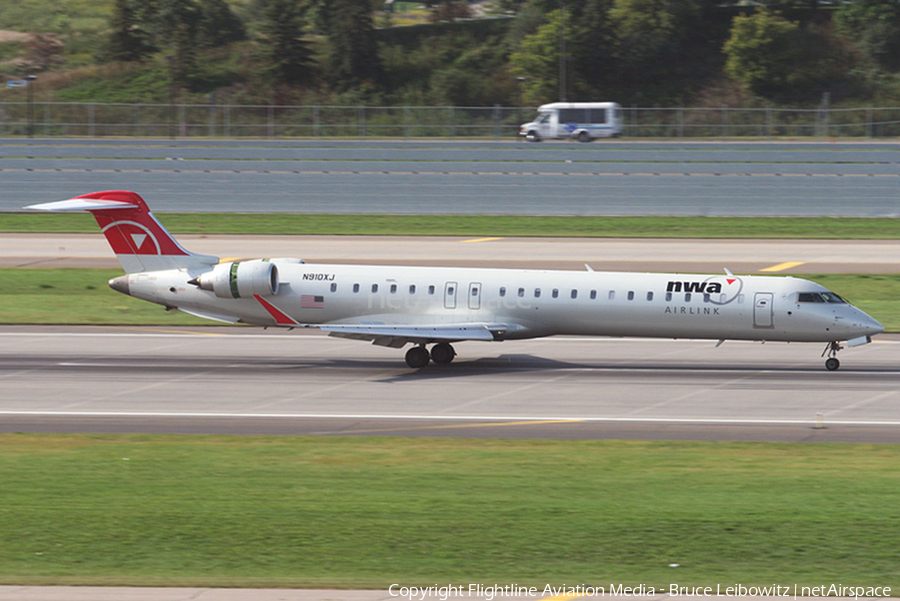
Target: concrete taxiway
{"x":249,"y":381}
{"x":669,"y":255}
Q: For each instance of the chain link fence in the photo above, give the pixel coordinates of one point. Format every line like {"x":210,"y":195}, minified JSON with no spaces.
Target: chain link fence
{"x":89,"y":119}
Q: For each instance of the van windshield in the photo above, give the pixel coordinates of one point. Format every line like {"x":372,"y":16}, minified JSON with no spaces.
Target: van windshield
{"x":543,"y":118}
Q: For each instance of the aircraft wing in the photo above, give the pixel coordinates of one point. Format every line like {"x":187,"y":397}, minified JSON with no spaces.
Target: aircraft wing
{"x":399,"y":335}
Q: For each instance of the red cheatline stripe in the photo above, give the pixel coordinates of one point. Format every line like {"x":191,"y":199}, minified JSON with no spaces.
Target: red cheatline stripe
{"x":281,"y":318}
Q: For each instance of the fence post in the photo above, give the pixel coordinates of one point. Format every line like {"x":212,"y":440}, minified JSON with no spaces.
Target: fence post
{"x":680,"y":122}
{"x":316,"y":121}
{"x":406,"y":121}
{"x":724,"y":121}
{"x":362,"y":121}
{"x":769,"y":121}
{"x":869,"y":122}
{"x":91,"y":130}
{"x":182,"y":124}
{"x":226,"y":120}
{"x":46,"y":119}
{"x":137,"y":120}
{"x":634,"y":130}
{"x":452,"y":123}
{"x":212,"y":120}
{"x":271,"y":127}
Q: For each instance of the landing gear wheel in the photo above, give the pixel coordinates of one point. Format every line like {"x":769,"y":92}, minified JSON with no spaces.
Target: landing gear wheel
{"x":417,"y":357}
{"x":442,"y":353}
{"x":831,"y":349}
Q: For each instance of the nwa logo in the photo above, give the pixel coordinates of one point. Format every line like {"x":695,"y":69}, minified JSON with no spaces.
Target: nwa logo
{"x":721,"y":289}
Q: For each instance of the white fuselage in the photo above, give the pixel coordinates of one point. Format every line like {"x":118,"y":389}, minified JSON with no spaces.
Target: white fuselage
{"x":531,"y":303}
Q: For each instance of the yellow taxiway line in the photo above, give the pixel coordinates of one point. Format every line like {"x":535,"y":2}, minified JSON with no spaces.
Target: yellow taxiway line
{"x":782,"y":266}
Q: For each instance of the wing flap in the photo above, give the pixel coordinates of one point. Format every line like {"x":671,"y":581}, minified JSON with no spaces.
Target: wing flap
{"x":399,"y":335}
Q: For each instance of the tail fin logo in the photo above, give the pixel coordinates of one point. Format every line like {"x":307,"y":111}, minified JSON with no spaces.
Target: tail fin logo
{"x":130,"y":237}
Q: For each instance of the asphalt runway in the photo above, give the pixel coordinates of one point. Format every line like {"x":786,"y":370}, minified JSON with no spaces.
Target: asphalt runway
{"x":250,"y":381}
{"x":465,"y":176}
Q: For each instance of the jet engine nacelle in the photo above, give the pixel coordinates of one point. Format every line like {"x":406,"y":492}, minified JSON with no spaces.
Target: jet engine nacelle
{"x":241,"y":279}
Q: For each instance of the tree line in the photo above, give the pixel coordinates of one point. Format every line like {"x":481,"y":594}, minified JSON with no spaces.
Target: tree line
{"x":641,"y":52}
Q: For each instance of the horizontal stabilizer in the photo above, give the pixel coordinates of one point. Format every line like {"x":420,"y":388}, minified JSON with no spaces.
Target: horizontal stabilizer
{"x":83,"y":204}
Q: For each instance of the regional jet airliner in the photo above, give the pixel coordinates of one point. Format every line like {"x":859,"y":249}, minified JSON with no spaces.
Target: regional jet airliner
{"x":433,"y":308}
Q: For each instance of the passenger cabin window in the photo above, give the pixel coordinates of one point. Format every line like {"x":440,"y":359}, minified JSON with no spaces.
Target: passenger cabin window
{"x":593,"y":295}
{"x":705,"y":297}
{"x":355,"y":287}
{"x":333,"y":287}
{"x":412,"y":288}
{"x":555,"y":293}
{"x":374,"y":288}
{"x":521,"y":292}
{"x":687,"y":297}
{"x":649,"y":296}
{"x":631,"y":295}
{"x":537,"y":293}
{"x":668,"y":296}
{"x":612,"y":295}
{"x":502,"y":291}
{"x":393,"y":288}
{"x":431,"y":290}
{"x":574,"y":293}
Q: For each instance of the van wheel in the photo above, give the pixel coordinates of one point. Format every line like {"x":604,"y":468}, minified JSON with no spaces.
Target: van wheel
{"x":584,"y":137}
{"x":533,"y":136}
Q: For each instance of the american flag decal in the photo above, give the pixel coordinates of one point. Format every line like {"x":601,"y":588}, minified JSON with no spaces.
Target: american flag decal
{"x":308,"y":301}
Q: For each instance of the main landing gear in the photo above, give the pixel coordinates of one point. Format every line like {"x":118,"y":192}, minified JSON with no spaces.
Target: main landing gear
{"x":441,"y":353}
{"x":831,"y":349}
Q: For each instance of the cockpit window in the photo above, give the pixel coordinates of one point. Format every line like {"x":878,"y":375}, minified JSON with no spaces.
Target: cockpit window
{"x":810,"y":297}
{"x":820,"y":297}
{"x":831,"y":297}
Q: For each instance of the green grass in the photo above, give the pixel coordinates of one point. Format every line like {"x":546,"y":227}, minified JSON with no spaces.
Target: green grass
{"x":82,"y":296}
{"x":368,"y":512}
{"x":483,"y":225}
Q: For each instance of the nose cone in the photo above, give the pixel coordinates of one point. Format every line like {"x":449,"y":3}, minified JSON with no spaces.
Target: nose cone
{"x":120,"y":284}
{"x":863,"y":325}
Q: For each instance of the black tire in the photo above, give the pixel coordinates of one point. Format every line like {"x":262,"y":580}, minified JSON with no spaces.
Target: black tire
{"x":584,"y":137}
{"x":533,"y":136}
{"x":442,"y":353}
{"x":417,"y":357}
{"x":831,"y":364}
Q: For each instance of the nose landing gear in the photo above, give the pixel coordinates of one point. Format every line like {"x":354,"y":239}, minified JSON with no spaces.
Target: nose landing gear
{"x":831,"y":349}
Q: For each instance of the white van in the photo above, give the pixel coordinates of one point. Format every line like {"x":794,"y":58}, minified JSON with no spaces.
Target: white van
{"x":583,"y":121}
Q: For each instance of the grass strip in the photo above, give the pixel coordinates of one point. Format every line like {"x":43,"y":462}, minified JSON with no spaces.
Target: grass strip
{"x":81,"y":296}
{"x":830,"y":228}
{"x":368,"y":512}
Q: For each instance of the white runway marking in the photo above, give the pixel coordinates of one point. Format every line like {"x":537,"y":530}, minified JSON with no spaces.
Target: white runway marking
{"x":480,"y":418}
